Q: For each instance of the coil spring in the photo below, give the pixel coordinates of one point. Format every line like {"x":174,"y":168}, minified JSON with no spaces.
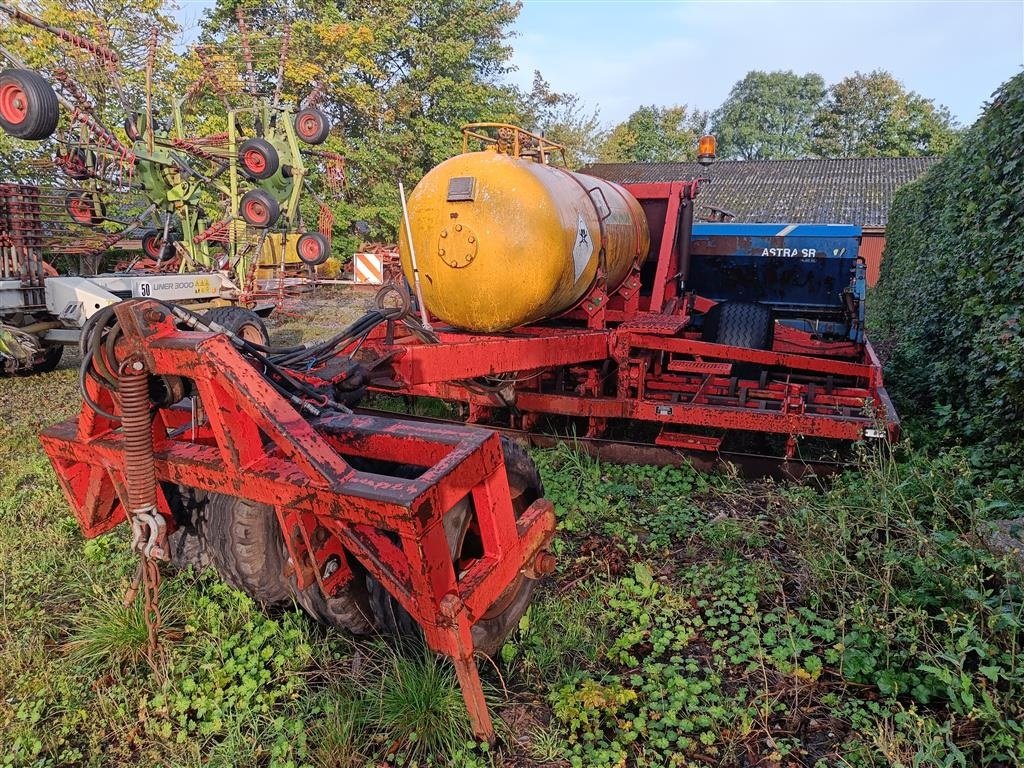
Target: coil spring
{"x":137,"y":428}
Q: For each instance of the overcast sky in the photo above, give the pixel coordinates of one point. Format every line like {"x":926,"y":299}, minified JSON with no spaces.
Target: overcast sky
{"x":619,"y":54}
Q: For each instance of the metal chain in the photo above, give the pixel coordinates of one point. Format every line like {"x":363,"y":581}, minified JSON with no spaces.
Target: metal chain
{"x":151,"y":602}
{"x":149,"y":539}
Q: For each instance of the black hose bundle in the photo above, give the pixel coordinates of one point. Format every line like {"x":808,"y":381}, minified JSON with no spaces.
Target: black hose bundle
{"x":277,"y":364}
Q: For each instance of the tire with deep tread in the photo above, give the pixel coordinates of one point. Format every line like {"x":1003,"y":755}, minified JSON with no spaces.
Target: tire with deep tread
{"x":739,"y":324}
{"x":241,"y":322}
{"x":243,"y":543}
{"x":29,"y":108}
{"x":489,"y":632}
{"x":189,"y":543}
{"x":524,"y":481}
{"x":247,"y":549}
{"x":349,"y":610}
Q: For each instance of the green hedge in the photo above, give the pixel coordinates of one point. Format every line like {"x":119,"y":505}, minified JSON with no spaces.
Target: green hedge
{"x":951,"y":293}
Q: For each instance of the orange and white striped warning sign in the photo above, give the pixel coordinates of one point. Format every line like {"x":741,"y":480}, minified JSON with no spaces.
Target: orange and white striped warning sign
{"x":368,"y":269}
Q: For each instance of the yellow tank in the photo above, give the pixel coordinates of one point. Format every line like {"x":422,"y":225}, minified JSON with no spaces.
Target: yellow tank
{"x":503,"y":240}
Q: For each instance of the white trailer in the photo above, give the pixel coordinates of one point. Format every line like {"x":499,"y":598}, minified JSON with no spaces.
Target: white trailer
{"x":33,"y":335}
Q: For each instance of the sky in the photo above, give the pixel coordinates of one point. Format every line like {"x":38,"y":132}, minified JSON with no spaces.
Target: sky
{"x":619,"y":55}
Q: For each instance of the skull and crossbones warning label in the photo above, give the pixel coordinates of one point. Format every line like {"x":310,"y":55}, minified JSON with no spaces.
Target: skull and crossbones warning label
{"x":583,"y":249}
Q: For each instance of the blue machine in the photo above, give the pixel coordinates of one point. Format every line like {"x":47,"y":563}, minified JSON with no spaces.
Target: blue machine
{"x":810,"y":275}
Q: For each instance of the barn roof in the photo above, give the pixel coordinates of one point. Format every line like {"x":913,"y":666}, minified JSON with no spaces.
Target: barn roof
{"x":850,"y":190}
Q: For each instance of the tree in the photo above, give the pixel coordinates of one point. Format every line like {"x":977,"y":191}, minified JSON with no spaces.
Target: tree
{"x":398,"y":78}
{"x":564,"y":119}
{"x":769,"y":115}
{"x":111,"y":90}
{"x":873,"y":115}
{"x":655,"y":135}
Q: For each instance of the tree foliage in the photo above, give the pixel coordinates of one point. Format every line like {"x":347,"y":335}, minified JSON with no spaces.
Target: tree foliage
{"x":874,"y":115}
{"x":112,"y":89}
{"x":769,"y":115}
{"x":397,"y":78}
{"x":565,"y":119}
{"x":951,"y":292}
{"x":655,"y":134}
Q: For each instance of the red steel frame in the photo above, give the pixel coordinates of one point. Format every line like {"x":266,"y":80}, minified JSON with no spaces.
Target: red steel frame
{"x":664,"y":373}
{"x":252,"y":444}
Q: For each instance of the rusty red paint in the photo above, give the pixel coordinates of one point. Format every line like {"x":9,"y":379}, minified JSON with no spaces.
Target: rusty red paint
{"x":255,"y":446}
{"x":636,"y":356}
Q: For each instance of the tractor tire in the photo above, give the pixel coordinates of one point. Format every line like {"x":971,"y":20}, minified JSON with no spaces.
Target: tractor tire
{"x":189,"y":543}
{"x":258,"y":159}
{"x":490,"y":631}
{"x":85,"y":208}
{"x":28,"y":105}
{"x":247,"y":549}
{"x":259,"y":209}
{"x":739,"y":324}
{"x":348,"y":610}
{"x":313,"y":249}
{"x":243,"y":543}
{"x":312,"y":126}
{"x":241,"y":322}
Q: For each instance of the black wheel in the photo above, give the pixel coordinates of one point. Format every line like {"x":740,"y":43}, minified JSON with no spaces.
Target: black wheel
{"x":258,"y":158}
{"x":247,"y":549}
{"x":490,"y":630}
{"x":241,"y":322}
{"x":243,"y":542}
{"x":348,"y":610}
{"x":189,"y":543}
{"x":312,"y":126}
{"x":259,"y":209}
{"x":28,"y":105}
{"x":135,"y":126}
{"x":313,"y":248}
{"x":739,"y":324}
{"x":51,"y":359}
{"x":153,"y":245}
{"x":85,"y":208}
{"x":47,"y":360}
{"x":77,"y":163}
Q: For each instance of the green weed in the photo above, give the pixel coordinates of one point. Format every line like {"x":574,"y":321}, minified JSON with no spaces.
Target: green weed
{"x":109,"y":634}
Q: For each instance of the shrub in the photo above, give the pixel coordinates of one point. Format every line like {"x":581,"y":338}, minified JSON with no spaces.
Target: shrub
{"x":952,"y":289}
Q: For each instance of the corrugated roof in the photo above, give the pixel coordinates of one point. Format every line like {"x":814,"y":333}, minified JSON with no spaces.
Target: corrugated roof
{"x":850,"y":190}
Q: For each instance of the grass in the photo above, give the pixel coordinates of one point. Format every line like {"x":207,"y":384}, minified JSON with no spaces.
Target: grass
{"x":107,"y":633}
{"x":693,"y":620}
